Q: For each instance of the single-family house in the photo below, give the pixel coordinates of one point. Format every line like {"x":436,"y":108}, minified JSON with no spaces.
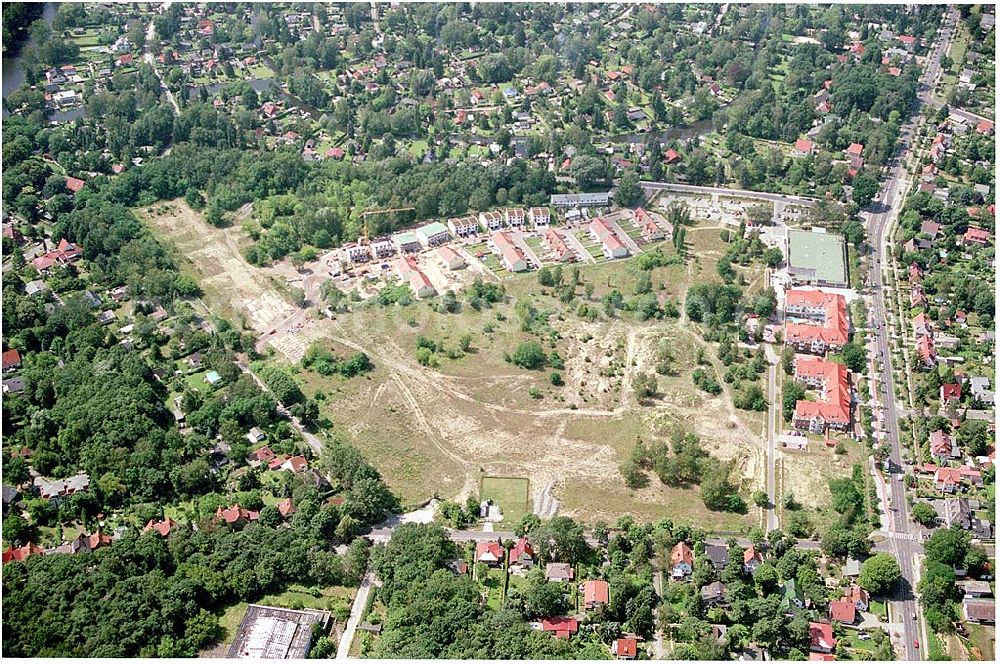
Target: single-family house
{"x":714,"y":594}
{"x":595,"y":593}
{"x":522,"y":553}
{"x":562,"y":627}
{"x":843,"y":611}
{"x":681,"y":561}
{"x":752,"y":559}
{"x":162,"y":527}
{"x":558,"y":572}
{"x":821,"y":637}
{"x":491,"y":553}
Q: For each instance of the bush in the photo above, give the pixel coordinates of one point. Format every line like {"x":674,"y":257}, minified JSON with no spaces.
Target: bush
{"x":529,"y":355}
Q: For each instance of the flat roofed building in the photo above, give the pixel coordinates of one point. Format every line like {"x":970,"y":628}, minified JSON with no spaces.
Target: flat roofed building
{"x":817,"y":258}
{"x":433,"y":234}
{"x":268,"y":632}
{"x":596,"y":199}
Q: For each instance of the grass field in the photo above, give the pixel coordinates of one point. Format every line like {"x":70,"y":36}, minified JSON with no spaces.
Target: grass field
{"x":510,"y":493}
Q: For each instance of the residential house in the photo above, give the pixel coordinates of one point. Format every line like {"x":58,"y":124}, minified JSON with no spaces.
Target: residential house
{"x":843,"y":611}
{"x":406,"y":242}
{"x":979,"y":610}
{"x":974,"y":235}
{"x":451,"y":258}
{"x":491,"y":220}
{"x":514,"y":217}
{"x":522,"y":554}
{"x":255,"y":435}
{"x":286,"y":507}
{"x":803,"y":148}
{"x":21,"y":553}
{"x":624,"y":648}
{"x":557,"y":245}
{"x":408,"y":271}
{"x":11,"y":359}
{"x":714,"y":594}
{"x":833,"y":411}
{"x":162,"y":527}
{"x":464,"y":226}
{"x":491,"y":553}
{"x":259,"y":456}
{"x":972,"y":588}
{"x":792,"y":599}
{"x":236,"y":516}
{"x":718,"y":554}
{"x":826,"y":327}
{"x":595,"y":593}
{"x":681,"y":561}
{"x":611,"y":244}
{"x":821,"y":637}
{"x":433,"y":234}
{"x":539,"y":217}
{"x":562,"y":627}
{"x":943,"y":447}
{"x":56,"y":489}
{"x":752,"y":559}
{"x":857,"y":596}
{"x":981,"y":392}
{"x":558,"y":572}
{"x":852,"y":568}
{"x":950,"y":393}
{"x":510,"y":254}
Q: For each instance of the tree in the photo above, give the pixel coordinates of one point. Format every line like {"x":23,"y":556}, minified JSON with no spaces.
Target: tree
{"x":587,"y":170}
{"x":924,"y":514}
{"x":948,"y":546}
{"x":529,"y":355}
{"x":880,"y":573}
{"x":865,"y":189}
{"x":974,"y":436}
{"x":645,"y":385}
{"x":854,"y":357}
{"x":628,"y":192}
{"x":543,"y":600}
{"x":760,"y":498}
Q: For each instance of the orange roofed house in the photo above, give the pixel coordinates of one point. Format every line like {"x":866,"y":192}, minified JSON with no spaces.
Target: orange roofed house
{"x":595,"y":593}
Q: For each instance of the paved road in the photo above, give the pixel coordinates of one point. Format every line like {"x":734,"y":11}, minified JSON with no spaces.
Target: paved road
{"x":357,"y":611}
{"x":151,"y":60}
{"x":881,"y":219}
{"x":741,"y":193}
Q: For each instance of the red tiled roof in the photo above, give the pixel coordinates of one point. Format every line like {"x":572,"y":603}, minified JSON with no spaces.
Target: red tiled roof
{"x":626,"y":647}
{"x":523,"y":547}
{"x":941,"y":443}
{"x":950,"y":391}
{"x":286,"y":507}
{"x":11,"y":358}
{"x":236,"y":513}
{"x":843,"y":610}
{"x":491,"y":551}
{"x":835,"y":328}
{"x":562,"y":626}
{"x":21,"y":553}
{"x":821,"y":636}
{"x":855,"y":149}
{"x":977,"y":235}
{"x":74,"y":184}
{"x":681,"y":553}
{"x":836,"y":404}
{"x":803,"y":145}
{"x":162,"y":528}
{"x":595,"y":591}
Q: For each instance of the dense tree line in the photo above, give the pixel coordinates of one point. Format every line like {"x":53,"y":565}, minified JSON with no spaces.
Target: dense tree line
{"x":145,"y":596}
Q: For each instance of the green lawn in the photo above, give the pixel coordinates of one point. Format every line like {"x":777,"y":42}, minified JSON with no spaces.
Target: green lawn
{"x":510,"y":493}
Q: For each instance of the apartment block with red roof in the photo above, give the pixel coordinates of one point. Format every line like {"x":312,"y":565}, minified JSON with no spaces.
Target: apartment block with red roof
{"x":833,"y":409}
{"x":827,"y":327}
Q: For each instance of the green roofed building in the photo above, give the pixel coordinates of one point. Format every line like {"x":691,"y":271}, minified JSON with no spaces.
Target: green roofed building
{"x":433,"y":234}
{"x":818,"y":259}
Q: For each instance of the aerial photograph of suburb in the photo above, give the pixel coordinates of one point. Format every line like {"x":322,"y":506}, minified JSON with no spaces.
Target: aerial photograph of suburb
{"x":493,"y":331}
